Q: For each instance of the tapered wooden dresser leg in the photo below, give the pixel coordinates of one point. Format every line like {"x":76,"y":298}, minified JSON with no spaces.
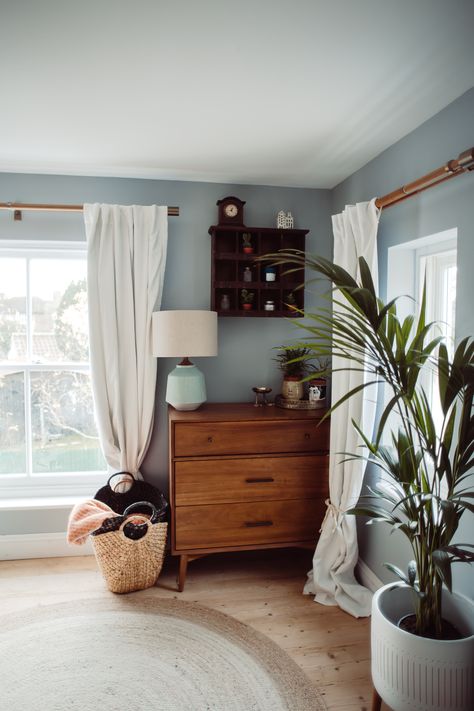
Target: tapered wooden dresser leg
{"x":376,"y":701}
{"x":183,"y":566}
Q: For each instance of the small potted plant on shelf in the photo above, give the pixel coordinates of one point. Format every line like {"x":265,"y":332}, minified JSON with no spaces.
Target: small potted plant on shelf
{"x":247,"y":243}
{"x":247,"y":298}
{"x":290,"y":302}
{"x":293,"y":362}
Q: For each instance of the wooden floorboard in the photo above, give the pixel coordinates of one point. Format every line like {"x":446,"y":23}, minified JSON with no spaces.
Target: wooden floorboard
{"x":260,"y":588}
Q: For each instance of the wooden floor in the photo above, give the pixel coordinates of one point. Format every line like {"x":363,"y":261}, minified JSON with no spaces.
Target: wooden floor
{"x":260,"y":588}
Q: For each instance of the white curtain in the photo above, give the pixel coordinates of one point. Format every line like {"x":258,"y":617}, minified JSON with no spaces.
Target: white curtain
{"x":126,"y":263}
{"x":332,"y":578}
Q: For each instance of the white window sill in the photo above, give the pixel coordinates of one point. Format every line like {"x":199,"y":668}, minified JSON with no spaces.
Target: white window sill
{"x":38,"y":502}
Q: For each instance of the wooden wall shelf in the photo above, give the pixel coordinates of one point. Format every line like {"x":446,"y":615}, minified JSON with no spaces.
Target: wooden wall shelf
{"x":229,"y":262}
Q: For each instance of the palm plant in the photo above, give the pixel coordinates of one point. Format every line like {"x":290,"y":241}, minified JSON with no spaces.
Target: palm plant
{"x":427,"y":480}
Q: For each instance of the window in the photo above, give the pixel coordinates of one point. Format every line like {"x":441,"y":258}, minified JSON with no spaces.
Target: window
{"x":433,"y":259}
{"x":48,"y":437}
{"x":439,"y":272}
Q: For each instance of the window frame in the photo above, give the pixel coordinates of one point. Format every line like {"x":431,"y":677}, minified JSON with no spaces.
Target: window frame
{"x":33,"y":484}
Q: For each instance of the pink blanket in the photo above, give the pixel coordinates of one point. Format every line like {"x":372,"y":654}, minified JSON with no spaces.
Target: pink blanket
{"x":86,"y":517}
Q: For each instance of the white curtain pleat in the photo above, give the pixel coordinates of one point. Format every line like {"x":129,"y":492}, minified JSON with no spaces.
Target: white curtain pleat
{"x":126,"y":264}
{"x":332,"y":578}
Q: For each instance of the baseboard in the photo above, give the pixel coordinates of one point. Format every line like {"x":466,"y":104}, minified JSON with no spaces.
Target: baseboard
{"x":367,"y":577}
{"x":40,"y":545}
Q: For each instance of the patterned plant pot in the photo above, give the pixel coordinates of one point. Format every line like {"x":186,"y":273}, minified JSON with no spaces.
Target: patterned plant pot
{"x":292,"y":388}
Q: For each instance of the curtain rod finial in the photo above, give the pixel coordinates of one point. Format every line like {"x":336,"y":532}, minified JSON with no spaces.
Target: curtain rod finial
{"x":467,"y":157}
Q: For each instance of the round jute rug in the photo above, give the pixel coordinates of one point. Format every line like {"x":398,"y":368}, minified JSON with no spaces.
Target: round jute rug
{"x":146,"y":654}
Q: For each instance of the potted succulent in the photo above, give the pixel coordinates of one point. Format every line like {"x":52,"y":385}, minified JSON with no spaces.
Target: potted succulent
{"x":426,"y":485}
{"x":247,"y":298}
{"x":247,"y":243}
{"x":294,"y":364}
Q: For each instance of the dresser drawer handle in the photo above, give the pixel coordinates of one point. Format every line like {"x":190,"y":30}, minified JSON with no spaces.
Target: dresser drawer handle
{"x":307,"y":435}
{"x":260,"y":480}
{"x":255,"y":524}
{"x":210,"y":440}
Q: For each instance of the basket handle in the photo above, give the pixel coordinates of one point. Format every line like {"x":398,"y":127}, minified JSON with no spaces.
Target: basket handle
{"x":145,"y":522}
{"x":139,"y":505}
{"x":141,"y":517}
{"x":121,"y":474}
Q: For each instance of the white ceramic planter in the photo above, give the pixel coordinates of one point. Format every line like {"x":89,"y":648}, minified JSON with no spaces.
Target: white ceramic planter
{"x":414,"y":673}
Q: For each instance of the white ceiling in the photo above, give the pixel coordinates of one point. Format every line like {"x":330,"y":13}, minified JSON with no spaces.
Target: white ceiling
{"x":274,"y":92}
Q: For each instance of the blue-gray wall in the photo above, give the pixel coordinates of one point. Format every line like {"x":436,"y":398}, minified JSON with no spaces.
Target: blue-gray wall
{"x":448,"y":205}
{"x":245,"y":344}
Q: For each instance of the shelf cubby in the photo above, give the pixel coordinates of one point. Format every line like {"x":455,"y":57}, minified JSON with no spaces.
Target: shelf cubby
{"x":229,"y":262}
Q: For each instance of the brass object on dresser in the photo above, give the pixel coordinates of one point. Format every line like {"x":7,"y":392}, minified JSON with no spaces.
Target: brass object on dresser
{"x":243,"y":478}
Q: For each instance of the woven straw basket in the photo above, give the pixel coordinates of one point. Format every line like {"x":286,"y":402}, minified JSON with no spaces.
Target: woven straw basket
{"x":129,"y":564}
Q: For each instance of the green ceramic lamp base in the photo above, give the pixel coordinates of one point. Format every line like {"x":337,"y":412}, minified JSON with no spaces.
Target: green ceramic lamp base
{"x":186,"y":388}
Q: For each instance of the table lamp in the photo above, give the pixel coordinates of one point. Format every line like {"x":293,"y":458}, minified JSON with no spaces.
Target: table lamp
{"x":180,"y":334}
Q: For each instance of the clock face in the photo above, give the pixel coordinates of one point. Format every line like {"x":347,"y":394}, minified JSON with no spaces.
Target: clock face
{"x":230,"y":210}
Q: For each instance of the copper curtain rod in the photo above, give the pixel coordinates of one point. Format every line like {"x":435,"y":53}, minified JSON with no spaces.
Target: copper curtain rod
{"x":462,"y":164}
{"x":17,"y":207}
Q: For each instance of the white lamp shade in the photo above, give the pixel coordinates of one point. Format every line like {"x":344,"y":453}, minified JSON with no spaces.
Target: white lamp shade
{"x":179,"y":334}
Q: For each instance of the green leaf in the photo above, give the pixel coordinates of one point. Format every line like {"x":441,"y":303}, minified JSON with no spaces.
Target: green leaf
{"x":443,"y":374}
{"x":366,"y":277}
{"x":352,"y":392}
{"x":422,"y":310}
{"x":376,"y":512}
{"x":450,"y":517}
{"x":399,"y":573}
{"x":460,"y":501}
{"x":461,"y":552}
{"x":385,"y":310}
{"x":384,"y":417}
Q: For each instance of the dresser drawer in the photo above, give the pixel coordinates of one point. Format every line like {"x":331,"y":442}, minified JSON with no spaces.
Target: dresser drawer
{"x":256,"y":523}
{"x":217,"y":438}
{"x":210,"y":481}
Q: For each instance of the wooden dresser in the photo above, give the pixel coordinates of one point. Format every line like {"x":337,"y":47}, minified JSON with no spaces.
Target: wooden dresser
{"x":245,"y":477}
